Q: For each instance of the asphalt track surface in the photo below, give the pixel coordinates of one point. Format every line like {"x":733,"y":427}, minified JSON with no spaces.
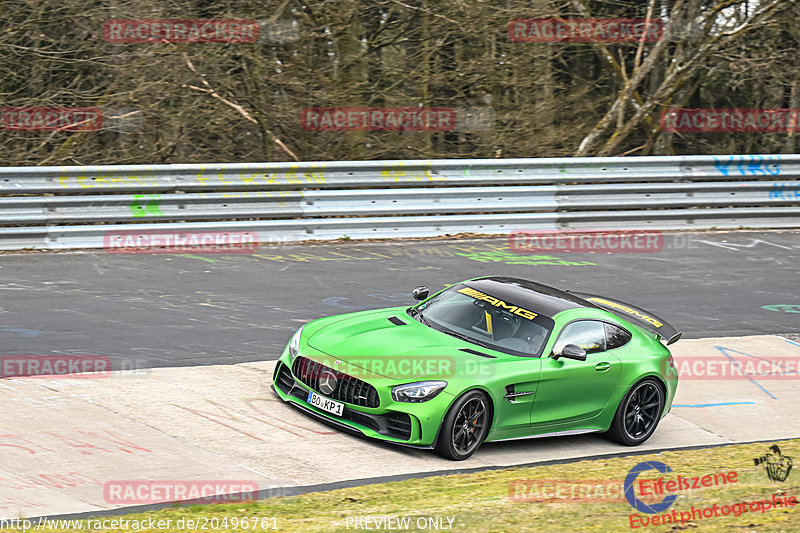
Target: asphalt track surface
{"x":165,"y":310}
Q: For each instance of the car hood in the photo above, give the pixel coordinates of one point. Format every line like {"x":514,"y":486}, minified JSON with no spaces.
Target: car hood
{"x":370,"y":341}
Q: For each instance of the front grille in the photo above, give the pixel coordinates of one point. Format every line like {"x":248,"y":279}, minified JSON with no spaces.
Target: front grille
{"x":347,"y":388}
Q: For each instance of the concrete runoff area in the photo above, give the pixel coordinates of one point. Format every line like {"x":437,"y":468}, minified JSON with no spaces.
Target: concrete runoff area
{"x":64,"y":440}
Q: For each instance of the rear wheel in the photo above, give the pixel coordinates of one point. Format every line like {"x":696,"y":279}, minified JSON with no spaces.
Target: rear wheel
{"x":465,"y":426}
{"x":638,"y":414}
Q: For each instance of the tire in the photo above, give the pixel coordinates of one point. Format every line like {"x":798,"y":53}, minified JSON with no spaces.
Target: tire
{"x":464,"y":427}
{"x":638,"y":414}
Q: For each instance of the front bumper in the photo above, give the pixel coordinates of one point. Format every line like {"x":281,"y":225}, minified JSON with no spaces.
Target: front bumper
{"x":395,"y":422}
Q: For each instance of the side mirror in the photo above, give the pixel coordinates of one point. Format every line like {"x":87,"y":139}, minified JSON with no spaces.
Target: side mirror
{"x":572,"y":351}
{"x":420,"y":293}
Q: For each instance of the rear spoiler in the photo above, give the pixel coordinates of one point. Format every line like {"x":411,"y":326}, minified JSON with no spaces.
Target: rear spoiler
{"x":634,"y":314}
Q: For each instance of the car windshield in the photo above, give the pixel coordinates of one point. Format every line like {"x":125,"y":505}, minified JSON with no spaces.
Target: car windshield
{"x":484,"y":320}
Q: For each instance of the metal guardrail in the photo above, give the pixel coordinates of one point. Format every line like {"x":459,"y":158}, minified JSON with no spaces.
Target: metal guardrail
{"x":74,"y":207}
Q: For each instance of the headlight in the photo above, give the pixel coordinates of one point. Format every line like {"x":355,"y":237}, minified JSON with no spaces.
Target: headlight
{"x":418,"y":392}
{"x":294,"y":344}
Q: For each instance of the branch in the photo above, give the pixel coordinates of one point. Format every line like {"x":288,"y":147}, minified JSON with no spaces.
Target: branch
{"x":685,"y":66}
{"x":671,"y":84}
{"x":429,"y":12}
{"x":241,"y":110}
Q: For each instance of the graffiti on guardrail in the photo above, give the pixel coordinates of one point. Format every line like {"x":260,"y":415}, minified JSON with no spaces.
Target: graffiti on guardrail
{"x":750,"y":165}
{"x":785,"y":191}
{"x":290,"y":177}
{"x":399,"y":172}
{"x":147,"y":206}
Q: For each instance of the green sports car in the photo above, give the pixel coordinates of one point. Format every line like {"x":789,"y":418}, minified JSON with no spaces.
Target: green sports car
{"x":488,"y":359}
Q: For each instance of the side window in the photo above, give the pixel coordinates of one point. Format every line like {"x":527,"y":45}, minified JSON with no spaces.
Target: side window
{"x":616,"y":337}
{"x":588,"y":334}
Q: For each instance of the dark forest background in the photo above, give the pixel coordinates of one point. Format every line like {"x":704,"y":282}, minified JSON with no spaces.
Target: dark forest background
{"x":184,"y":103}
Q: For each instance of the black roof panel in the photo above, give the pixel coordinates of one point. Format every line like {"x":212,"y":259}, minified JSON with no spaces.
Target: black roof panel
{"x":539,"y":298}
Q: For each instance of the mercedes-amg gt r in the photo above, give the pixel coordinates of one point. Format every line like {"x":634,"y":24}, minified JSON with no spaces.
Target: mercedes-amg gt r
{"x":487,"y":359}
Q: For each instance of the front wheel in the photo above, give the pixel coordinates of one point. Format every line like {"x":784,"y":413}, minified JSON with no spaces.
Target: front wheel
{"x":465,"y":426}
{"x":638,"y":414}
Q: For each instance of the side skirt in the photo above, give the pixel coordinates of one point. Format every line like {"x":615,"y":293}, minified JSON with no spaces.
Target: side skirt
{"x":552,"y":434}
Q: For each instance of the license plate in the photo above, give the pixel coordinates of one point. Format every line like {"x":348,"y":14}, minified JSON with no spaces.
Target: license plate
{"x":325,"y":404}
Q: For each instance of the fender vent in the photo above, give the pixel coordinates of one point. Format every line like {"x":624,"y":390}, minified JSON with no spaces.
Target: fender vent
{"x":396,"y":321}
{"x":476,"y":352}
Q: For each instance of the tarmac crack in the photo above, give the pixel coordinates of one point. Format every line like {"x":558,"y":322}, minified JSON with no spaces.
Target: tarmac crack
{"x":711,"y":432}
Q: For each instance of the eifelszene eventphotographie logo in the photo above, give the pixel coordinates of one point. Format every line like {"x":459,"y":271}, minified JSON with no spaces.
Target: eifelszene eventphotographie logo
{"x":776,"y":465}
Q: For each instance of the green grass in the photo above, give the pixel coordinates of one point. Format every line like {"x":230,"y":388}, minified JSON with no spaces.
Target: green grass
{"x":480,"y":502}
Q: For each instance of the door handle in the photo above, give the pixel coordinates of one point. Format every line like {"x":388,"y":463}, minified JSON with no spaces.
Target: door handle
{"x":602,"y":367}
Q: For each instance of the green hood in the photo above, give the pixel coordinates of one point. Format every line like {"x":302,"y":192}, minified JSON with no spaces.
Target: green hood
{"x":370,"y":341}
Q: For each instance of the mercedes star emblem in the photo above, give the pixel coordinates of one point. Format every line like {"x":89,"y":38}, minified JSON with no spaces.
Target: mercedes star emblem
{"x":327,"y":382}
